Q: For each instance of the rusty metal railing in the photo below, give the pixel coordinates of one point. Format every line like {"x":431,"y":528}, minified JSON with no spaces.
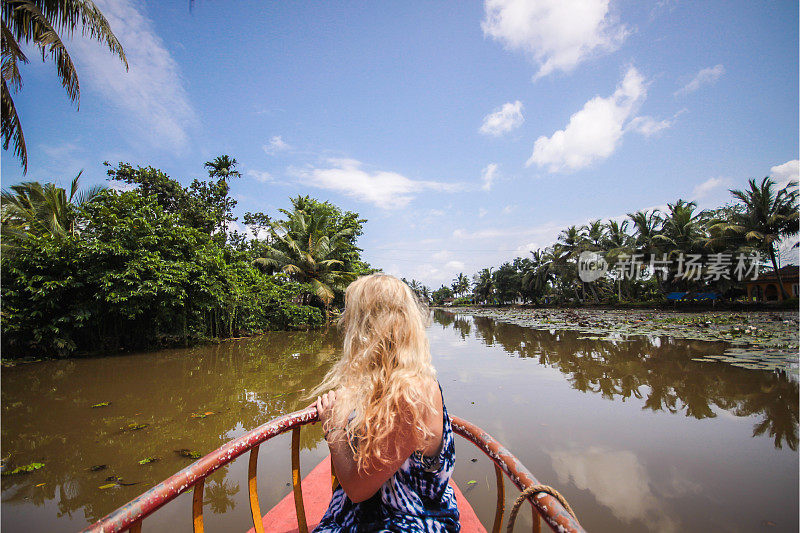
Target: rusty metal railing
{"x":131,"y":515}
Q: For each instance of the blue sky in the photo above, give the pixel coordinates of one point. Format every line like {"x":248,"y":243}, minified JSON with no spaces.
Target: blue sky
{"x":467,"y":133}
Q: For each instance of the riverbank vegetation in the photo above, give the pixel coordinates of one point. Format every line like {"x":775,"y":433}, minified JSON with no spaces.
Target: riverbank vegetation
{"x":155,"y":265}
{"x":753,"y":225}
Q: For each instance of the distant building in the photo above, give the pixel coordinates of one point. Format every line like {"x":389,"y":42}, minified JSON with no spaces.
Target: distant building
{"x":766,"y":288}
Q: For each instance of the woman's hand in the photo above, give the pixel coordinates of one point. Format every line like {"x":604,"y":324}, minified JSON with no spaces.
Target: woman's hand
{"x":325,"y":406}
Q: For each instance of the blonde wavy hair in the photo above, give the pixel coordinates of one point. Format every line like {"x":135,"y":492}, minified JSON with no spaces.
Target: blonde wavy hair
{"x":385,"y":371}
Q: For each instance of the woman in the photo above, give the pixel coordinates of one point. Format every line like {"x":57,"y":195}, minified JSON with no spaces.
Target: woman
{"x":384,"y":418}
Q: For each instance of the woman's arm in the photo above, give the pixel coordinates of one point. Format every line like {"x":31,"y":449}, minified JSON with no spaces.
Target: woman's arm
{"x":360,"y":486}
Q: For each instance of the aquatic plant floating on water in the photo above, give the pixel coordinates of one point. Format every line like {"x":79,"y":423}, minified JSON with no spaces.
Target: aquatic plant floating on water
{"x":24,"y":469}
{"x":134,"y":427}
{"x":186,"y":452}
{"x":202,"y":415}
{"x":148,"y":460}
{"x":101,"y":404}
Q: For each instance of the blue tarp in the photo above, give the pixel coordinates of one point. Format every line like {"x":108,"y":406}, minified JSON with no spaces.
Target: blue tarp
{"x":685,"y":296}
{"x":676,"y":295}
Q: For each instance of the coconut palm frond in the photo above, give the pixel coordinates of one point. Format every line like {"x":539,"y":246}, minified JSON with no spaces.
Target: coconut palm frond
{"x":12,"y":128}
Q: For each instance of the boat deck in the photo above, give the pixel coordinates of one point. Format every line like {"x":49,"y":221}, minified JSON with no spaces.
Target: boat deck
{"x":317,"y":495}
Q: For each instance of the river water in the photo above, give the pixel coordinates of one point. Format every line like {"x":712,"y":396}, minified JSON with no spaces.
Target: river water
{"x":635,"y":433}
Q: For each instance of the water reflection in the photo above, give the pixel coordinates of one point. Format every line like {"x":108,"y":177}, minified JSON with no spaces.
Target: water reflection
{"x":623,"y":481}
{"x":47,"y":416}
{"x":619,"y":481}
{"x":658,"y":370}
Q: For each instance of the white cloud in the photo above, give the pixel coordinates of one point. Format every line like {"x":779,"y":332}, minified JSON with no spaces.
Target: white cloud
{"x":454,"y":265}
{"x":482,"y":212}
{"x":503,"y":120}
{"x":557,"y":34}
{"x":488,"y":175}
{"x":387,"y":190}
{"x":507,"y":210}
{"x":783,"y":174}
{"x":648,"y":126}
{"x":276,"y":144}
{"x":594,"y":132}
{"x":706,"y":76}
{"x":703,"y":190}
{"x":121,"y":186}
{"x":442,"y":255}
{"x":150,"y":94}
{"x":260,"y":175}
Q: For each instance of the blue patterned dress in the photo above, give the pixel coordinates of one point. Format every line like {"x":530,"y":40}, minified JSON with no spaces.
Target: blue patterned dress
{"x":416,"y":498}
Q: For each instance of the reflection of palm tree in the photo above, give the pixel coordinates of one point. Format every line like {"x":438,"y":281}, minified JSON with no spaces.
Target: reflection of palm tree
{"x":219,"y":496}
{"x":665,"y":376}
{"x":40,"y":22}
{"x":780,"y":417}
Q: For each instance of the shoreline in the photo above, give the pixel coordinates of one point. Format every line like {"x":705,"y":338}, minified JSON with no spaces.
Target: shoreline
{"x":770,"y":337}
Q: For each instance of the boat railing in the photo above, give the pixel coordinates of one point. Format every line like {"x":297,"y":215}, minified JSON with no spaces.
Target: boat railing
{"x":131,"y":515}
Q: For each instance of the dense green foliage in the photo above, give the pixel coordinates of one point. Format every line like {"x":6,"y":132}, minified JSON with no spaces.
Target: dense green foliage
{"x":754,"y":223}
{"x":155,"y":266}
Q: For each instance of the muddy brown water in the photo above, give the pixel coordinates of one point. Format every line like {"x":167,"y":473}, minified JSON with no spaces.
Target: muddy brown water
{"x":636,"y":435}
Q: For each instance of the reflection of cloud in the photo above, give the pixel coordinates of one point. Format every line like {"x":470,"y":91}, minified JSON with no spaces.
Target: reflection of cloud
{"x":618,"y":480}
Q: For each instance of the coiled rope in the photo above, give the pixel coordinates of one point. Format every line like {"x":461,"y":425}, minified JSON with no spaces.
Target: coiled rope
{"x":534,"y":489}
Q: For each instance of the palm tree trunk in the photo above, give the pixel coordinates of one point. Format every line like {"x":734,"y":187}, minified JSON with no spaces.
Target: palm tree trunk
{"x":777,"y":274}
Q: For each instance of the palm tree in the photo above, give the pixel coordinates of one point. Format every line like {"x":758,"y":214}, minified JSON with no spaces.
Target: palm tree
{"x":425,"y":292}
{"x":768,"y":217}
{"x":484,"y":285}
{"x":31,"y":208}
{"x":617,"y":243}
{"x":572,"y":240}
{"x":40,"y":22}
{"x":534,"y":280}
{"x":223,"y":167}
{"x":594,"y":233}
{"x":308,"y":247}
{"x":461,"y":284}
{"x":646,"y":226}
{"x":683,"y":229}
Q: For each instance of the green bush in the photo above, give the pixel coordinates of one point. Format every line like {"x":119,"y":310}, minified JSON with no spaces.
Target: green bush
{"x":136,"y":277}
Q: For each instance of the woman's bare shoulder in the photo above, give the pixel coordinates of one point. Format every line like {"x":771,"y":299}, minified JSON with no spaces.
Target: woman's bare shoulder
{"x":435,"y":419}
